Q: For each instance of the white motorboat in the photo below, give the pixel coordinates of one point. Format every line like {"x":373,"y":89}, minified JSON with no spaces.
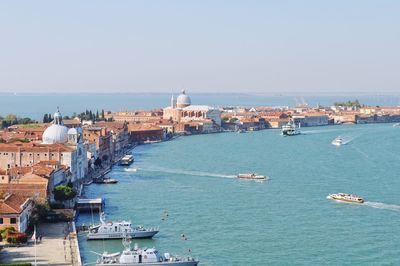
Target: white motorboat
{"x":146,"y":256}
{"x":338,"y":141}
{"x":118,"y":230}
{"x":252,"y":176}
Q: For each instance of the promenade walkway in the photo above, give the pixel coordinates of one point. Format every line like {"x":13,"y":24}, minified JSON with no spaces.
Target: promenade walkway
{"x":52,"y":250}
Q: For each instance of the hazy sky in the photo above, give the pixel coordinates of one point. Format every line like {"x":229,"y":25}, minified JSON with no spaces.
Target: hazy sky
{"x":205,"y":46}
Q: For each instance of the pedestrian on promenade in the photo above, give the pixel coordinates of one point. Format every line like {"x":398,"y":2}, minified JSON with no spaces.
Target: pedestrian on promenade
{"x":40,"y":238}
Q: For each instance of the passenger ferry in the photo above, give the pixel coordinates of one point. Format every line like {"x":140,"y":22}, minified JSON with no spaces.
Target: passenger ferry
{"x":126,"y":160}
{"x":146,"y":256}
{"x":290,"y":129}
{"x":346,"y":198}
{"x":118,"y":230}
{"x":252,"y":176}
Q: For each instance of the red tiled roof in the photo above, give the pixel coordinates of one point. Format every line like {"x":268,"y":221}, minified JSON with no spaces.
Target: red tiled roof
{"x":12,"y":204}
{"x":34,"y":147}
{"x":26,"y":190}
{"x":143,"y":127}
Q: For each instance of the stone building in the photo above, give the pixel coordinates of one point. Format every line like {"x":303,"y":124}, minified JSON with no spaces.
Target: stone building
{"x":182,"y":110}
{"x":58,"y":144}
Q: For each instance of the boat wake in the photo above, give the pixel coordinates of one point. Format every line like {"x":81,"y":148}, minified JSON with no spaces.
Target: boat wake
{"x":191,"y":173}
{"x":384,"y":206}
{"x":130,"y":169}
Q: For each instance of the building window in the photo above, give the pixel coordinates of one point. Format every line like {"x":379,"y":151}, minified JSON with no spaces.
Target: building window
{"x":1,"y":220}
{"x":13,"y":220}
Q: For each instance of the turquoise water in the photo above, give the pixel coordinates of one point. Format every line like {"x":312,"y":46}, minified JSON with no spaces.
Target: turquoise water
{"x":285,"y":221}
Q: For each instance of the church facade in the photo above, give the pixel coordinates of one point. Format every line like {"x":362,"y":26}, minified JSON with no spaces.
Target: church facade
{"x":59,"y":144}
{"x":181,"y":110}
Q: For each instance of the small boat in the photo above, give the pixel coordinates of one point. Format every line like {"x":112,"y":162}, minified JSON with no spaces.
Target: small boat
{"x":126,"y":160}
{"x":118,"y":230}
{"x":252,"y":176}
{"x":103,"y":180}
{"x":396,"y":125}
{"x":148,"y":141}
{"x":338,"y":141}
{"x":346,"y":198}
{"x":290,"y":129}
{"x":147,"y":256}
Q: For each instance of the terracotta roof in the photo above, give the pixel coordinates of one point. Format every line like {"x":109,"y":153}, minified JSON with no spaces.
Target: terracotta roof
{"x":71,"y":122}
{"x":48,"y":162}
{"x":31,"y":178}
{"x":142,"y":127}
{"x":19,"y":170}
{"x":12,"y":203}
{"x":34,"y":147}
{"x":25,"y":190}
{"x":112,"y":125}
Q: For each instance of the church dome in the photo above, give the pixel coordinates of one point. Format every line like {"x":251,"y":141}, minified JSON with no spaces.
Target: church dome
{"x":183,"y":100}
{"x":57,"y":132}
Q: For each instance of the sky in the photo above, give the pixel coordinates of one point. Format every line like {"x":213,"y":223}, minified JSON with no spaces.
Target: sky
{"x":262,"y":47}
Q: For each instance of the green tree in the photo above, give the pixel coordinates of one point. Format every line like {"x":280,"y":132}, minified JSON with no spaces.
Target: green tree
{"x":46,"y":118}
{"x":63,"y":193}
{"x":4,"y":231}
{"x":39,"y":213}
{"x":10,"y":117}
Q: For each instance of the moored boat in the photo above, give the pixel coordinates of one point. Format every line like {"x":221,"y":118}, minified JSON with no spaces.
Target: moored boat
{"x":252,"y":176}
{"x":146,"y":256}
{"x":118,"y":230}
{"x":103,"y":180}
{"x":126,"y":160}
{"x":346,"y":198}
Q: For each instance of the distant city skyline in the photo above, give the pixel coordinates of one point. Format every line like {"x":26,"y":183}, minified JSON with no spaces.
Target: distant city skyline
{"x":256,"y":47}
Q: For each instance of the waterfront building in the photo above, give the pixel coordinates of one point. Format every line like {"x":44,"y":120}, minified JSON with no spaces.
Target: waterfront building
{"x":134,"y":116}
{"x":140,"y":133}
{"x":345,"y":117}
{"x":120,"y":135}
{"x":196,"y":127}
{"x":252,"y":123}
{"x":15,"y":211}
{"x":102,"y":138}
{"x":182,"y":110}
{"x":167,"y":125}
{"x":311,"y":119}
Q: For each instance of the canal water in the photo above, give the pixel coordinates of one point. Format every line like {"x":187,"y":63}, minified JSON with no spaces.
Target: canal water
{"x":285,"y":221}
